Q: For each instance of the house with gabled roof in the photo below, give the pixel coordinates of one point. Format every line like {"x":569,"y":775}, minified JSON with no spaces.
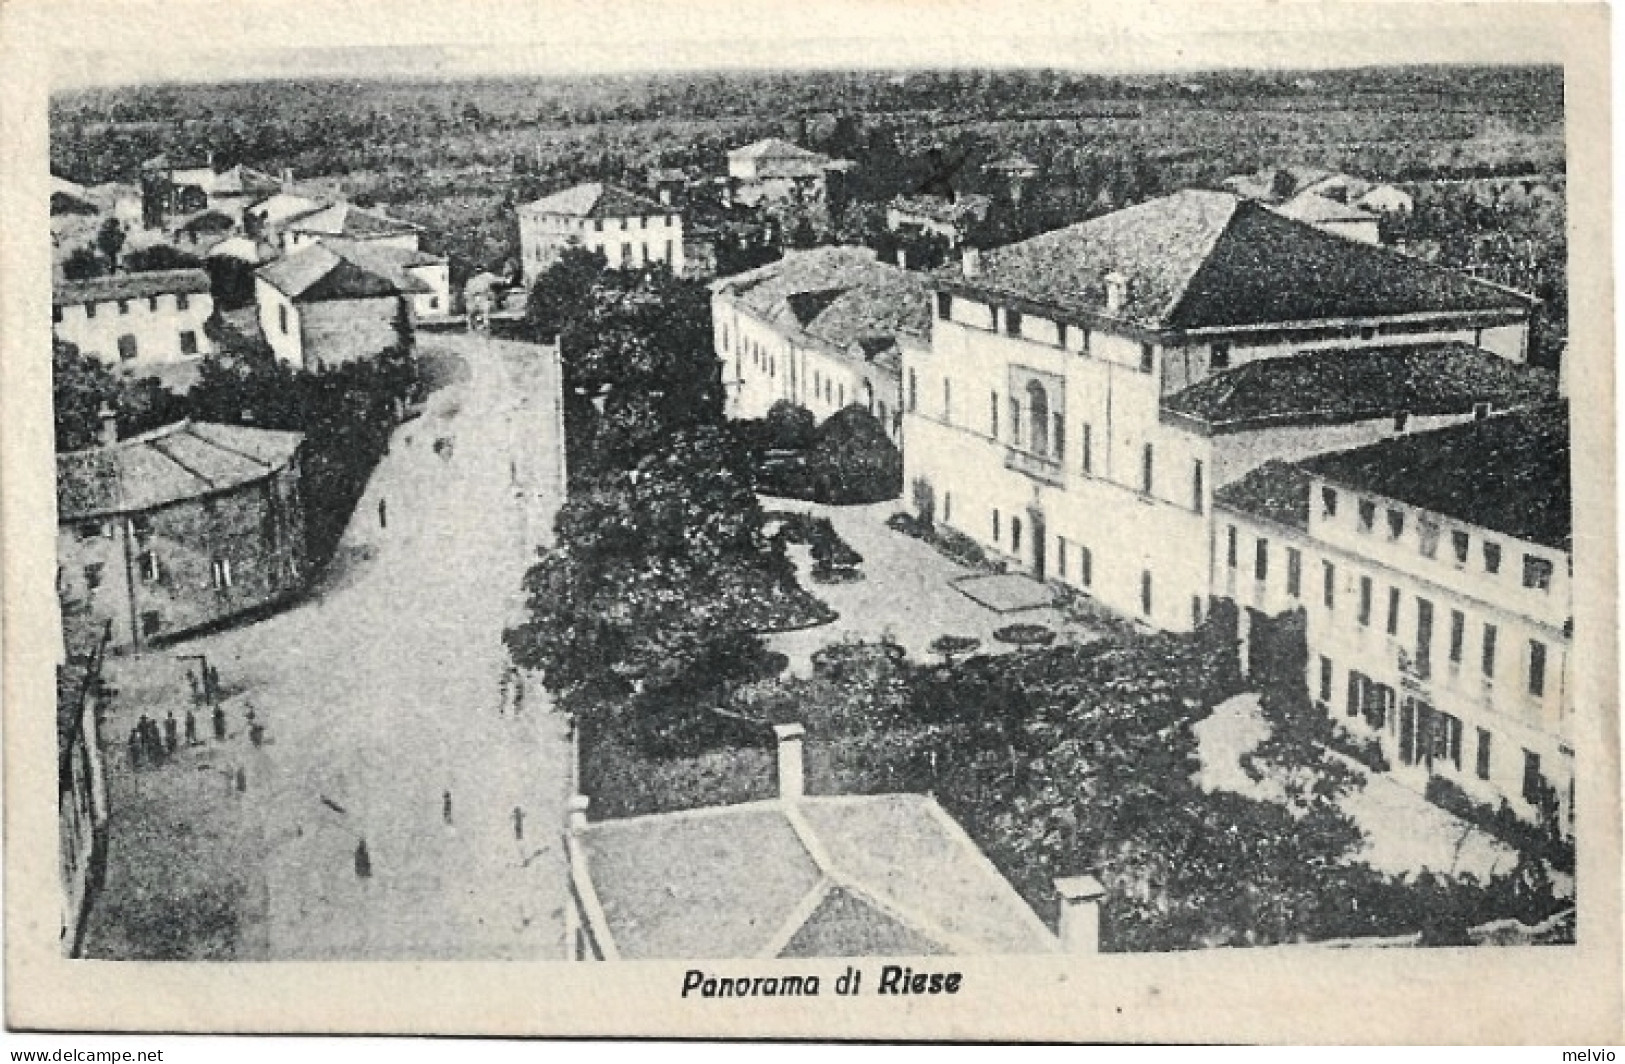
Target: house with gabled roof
{"x":344,"y":220}
{"x":171,"y":530}
{"x":337,"y":302}
{"x":802,"y":876}
{"x":630,"y":230}
{"x":135,"y":320}
{"x":1430,"y":577}
{"x":824,"y":329}
{"x":1344,"y":219}
{"x":1073,"y":411}
{"x":775,"y":171}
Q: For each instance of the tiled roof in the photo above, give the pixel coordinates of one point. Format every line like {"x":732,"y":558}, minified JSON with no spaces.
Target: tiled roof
{"x":823,"y":876}
{"x":181,"y":461}
{"x":139,"y":285}
{"x":961,"y":208}
{"x":1312,"y":207}
{"x":1328,"y":387}
{"x":278,"y":208}
{"x":243,"y":180}
{"x":1509,"y":474}
{"x":346,"y":219}
{"x":1276,"y":491}
{"x":842,"y":296}
{"x":596,"y":200}
{"x":338,"y":270}
{"x":775,"y":148}
{"x":1200,"y":259}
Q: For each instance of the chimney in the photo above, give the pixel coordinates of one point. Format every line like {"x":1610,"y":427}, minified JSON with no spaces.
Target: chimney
{"x":792,"y":782}
{"x":1080,"y":913}
{"x":1116,"y":292}
{"x":575,"y":817}
{"x":109,"y":421}
{"x":970,"y":261}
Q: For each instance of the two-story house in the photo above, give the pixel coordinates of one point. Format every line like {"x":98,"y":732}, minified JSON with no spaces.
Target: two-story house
{"x":629,"y":230}
{"x":1085,"y":391}
{"x":135,"y":319}
{"x":1433,"y":575}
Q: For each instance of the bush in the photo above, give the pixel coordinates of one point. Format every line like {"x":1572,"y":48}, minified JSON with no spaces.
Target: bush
{"x":1501,"y":822}
{"x":852,"y":460}
{"x":1367,"y":750}
{"x":789,"y":427}
{"x":925,"y":502}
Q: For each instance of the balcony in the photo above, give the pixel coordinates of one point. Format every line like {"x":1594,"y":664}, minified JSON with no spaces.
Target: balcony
{"x":1037,"y":467}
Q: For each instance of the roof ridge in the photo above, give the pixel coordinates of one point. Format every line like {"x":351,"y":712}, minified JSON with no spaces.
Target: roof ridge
{"x":158,"y":446}
{"x":1205,"y":261}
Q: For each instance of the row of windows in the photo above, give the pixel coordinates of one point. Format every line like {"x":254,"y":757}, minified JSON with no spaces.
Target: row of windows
{"x":598,"y":223}
{"x":1011,"y":322}
{"x":1537,"y":571}
{"x":152,"y":571}
{"x":183,"y":301}
{"x":1422,"y":659}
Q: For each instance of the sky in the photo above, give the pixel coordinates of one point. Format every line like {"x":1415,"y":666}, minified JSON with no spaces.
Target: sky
{"x":182,"y":41}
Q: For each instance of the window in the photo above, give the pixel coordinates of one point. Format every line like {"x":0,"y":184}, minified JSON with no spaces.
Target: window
{"x":1261,"y":560}
{"x":1428,"y":531}
{"x":124,"y":306}
{"x":1393,"y":611}
{"x":1086,"y":566}
{"x":1058,"y":437}
{"x":1492,"y":557}
{"x":1015,"y":534}
{"x":1015,"y":421}
{"x":1458,"y":635}
{"x":88,"y":529}
{"x":1088,"y":448}
{"x":1487,"y":663}
{"x":1148,"y":358}
{"x":150,"y":622}
{"x":1325,"y":678}
{"x":626,"y":251}
{"x":1145,"y":592}
{"x":1396,"y":523}
{"x":1328,"y":591}
{"x":1481,"y":411}
{"x":434,"y":302}
{"x":56,"y":313}
{"x":1481,"y":766}
{"x":93,"y":576}
{"x":1220,"y":358}
{"x":945,"y":305}
{"x":1424,"y":637}
{"x":1060,"y":556}
{"x":1459,"y":542}
{"x":90,"y":310}
{"x":1368,"y":514}
{"x":1230,"y":547}
{"x":282,"y":318}
{"x":1196,"y":611}
{"x":913,"y":390}
{"x":947,"y":506}
{"x":1038,"y":405}
{"x":140,"y":527}
{"x":1294,"y":572}
{"x":995,"y":526}
{"x":188,"y":342}
{"x":598,"y":225}
{"x":182,"y":301}
{"x":147,"y":563}
{"x":1198,"y":499}
{"x":1328,"y":502}
{"x":947,"y":401}
{"x":993,"y":415}
{"x":220,"y":573}
{"x":1060,"y":334}
{"x":1537,"y":667}
{"x":1365,"y":601}
{"x":1537,"y":573}
{"x":1531,"y":777}
{"x":1146,"y":469}
{"x":1401,"y":419}
{"x":152,"y":304}
{"x":1012,"y":323}
{"x":670,"y":257}
{"x":126,"y":347}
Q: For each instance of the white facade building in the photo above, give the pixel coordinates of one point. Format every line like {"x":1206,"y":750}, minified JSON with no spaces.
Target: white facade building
{"x":629,"y":230}
{"x":334,"y":303}
{"x":135,"y":319}
{"x":1433,"y":576}
{"x":1086,"y":391}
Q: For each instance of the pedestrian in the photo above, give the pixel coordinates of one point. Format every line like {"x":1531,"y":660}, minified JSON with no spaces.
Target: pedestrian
{"x":171,"y":734}
{"x":242,"y":779}
{"x":191,"y":679}
{"x":383,"y":513}
{"x":219,"y":724}
{"x":151,"y":749}
{"x":363,"y":861}
{"x":518,"y":823}
{"x":135,"y":747}
{"x":256,"y":733}
{"x":445,"y":806}
{"x":211,"y":683}
{"x":191,"y":728}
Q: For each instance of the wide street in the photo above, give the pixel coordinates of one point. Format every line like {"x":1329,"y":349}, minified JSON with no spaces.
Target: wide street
{"x":386,"y":692}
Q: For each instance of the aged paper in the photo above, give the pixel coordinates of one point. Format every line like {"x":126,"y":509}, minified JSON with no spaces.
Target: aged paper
{"x":334,"y":787}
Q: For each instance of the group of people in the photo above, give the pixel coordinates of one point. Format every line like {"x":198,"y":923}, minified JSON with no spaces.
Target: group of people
{"x":153,"y":744}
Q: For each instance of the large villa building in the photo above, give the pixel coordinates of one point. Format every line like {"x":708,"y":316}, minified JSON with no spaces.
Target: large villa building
{"x":1432,"y":576}
{"x":629,"y":230}
{"x":1086,"y":392}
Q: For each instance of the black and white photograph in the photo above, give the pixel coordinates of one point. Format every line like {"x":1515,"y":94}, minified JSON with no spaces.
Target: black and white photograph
{"x":819,"y":517}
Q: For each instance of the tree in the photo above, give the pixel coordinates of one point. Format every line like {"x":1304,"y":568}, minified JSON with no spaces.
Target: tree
{"x":81,"y":386}
{"x":160,"y":257}
{"x":110,"y":241}
{"x":560,"y":292}
{"x":82,"y":264}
